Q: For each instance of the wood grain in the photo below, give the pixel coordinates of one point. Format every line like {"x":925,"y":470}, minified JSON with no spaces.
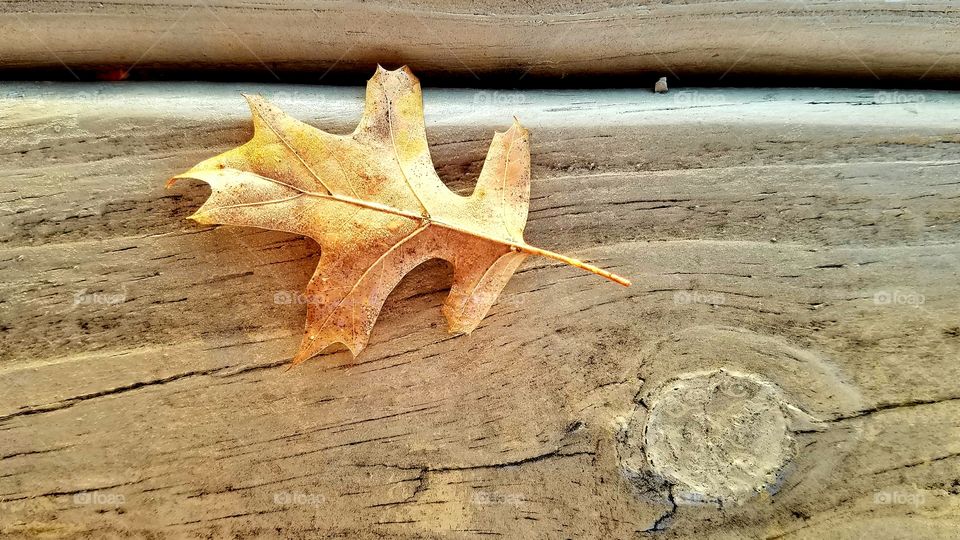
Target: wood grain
{"x":492,"y":41}
{"x":803,"y":240}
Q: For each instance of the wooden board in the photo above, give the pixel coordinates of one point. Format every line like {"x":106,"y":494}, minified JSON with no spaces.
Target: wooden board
{"x":492,"y":42}
{"x":785,"y":365}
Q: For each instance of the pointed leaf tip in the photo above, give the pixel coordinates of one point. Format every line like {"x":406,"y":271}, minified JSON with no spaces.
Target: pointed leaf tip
{"x":304,"y":354}
{"x":252,"y":99}
{"x":201,"y":218}
{"x":516,"y":125}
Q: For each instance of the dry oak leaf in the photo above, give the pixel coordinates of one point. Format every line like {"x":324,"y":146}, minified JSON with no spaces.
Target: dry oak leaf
{"x":373,"y":201}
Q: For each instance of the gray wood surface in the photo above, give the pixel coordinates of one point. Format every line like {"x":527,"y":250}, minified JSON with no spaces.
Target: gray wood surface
{"x":471,"y":42}
{"x":784,"y":366}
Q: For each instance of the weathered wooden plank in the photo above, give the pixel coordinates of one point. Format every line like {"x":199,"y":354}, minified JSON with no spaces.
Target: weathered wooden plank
{"x":795,"y":308}
{"x":476,"y":42}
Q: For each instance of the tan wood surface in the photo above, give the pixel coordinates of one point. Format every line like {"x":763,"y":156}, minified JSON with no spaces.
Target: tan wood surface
{"x":472,"y":42}
{"x":787,"y":355}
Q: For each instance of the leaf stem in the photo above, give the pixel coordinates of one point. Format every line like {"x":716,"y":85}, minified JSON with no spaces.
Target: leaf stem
{"x":527,"y":248}
{"x":573,"y":262}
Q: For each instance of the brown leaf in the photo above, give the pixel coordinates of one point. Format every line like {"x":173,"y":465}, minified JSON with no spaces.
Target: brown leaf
{"x":375,"y":204}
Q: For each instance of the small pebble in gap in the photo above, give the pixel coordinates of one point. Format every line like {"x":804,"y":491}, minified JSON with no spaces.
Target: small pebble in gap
{"x":661,"y":86}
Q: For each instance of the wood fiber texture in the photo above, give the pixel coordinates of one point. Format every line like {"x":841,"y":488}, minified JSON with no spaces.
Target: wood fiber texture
{"x":471,"y":42}
{"x":795,"y":306}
